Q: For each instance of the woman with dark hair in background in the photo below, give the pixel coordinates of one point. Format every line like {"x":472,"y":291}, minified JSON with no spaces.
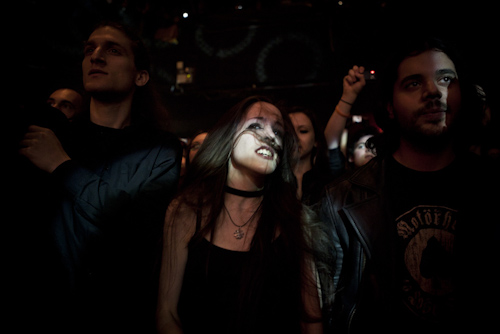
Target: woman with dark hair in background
{"x":312,"y":170}
{"x":319,"y":153}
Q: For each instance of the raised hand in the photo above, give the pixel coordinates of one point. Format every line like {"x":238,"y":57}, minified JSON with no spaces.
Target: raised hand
{"x":353,"y":83}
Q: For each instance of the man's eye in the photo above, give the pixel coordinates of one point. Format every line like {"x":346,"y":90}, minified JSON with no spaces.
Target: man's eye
{"x":412,"y":84}
{"x":447,"y":79}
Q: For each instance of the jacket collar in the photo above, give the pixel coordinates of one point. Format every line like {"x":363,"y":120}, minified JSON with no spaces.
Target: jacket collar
{"x":368,"y":214}
{"x":370,"y":176}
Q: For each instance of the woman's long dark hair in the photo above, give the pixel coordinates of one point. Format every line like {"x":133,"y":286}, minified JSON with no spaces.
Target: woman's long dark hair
{"x":281,"y":210}
{"x":207,"y":174}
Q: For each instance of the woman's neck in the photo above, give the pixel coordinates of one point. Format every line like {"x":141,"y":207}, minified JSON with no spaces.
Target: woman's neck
{"x":244,"y":180}
{"x":303,"y":166}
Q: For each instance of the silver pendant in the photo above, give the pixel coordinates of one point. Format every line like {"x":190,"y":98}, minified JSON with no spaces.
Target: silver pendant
{"x":238,"y":234}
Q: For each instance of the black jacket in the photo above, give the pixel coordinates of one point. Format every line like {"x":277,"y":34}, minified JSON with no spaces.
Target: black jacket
{"x":108,"y":225}
{"x":357,"y":212}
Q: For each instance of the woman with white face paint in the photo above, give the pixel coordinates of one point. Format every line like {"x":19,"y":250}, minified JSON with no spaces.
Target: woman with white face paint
{"x":237,"y":256}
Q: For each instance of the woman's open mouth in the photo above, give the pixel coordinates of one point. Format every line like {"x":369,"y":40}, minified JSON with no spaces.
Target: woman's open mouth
{"x":265,"y":152}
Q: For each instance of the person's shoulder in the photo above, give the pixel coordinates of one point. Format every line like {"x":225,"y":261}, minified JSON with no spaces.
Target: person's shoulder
{"x":364,"y":176}
{"x":170,"y":143}
{"x":476,"y":165}
{"x":156,"y":137}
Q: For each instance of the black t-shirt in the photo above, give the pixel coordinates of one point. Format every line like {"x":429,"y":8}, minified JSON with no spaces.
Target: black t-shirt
{"x":425,"y":208}
{"x":444,"y":233}
{"x":433,"y":266}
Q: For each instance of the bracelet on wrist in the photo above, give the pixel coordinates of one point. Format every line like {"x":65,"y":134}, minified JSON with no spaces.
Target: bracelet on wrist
{"x":337,"y":110}
{"x":349,"y":103}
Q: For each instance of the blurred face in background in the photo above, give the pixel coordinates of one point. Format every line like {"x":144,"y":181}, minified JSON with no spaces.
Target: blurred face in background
{"x":196,"y":144}
{"x":361,"y":153}
{"x":305,"y":133}
{"x":66,"y":100}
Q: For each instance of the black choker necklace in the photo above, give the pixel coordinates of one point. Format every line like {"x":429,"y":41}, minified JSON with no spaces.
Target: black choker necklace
{"x":243,"y":193}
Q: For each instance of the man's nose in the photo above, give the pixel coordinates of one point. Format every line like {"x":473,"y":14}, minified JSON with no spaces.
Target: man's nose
{"x":432,"y":91}
{"x":97,"y":56}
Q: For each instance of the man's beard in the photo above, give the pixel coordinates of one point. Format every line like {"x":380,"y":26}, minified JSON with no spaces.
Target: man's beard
{"x":431,"y":135}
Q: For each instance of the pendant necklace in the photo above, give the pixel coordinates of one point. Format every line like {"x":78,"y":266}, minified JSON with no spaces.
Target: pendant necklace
{"x":238,"y":234}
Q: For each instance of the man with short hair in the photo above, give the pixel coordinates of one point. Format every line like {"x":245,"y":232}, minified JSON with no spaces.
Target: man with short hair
{"x":68,"y":101}
{"x":414,"y":228}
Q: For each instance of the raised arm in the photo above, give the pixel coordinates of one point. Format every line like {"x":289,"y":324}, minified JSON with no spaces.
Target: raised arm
{"x":176,"y":235}
{"x":353,"y":83}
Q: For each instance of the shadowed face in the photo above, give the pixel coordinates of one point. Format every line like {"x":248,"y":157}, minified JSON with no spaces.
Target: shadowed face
{"x":426,"y":95}
{"x":67,"y":100}
{"x":305,"y":133}
{"x":108,"y":64}
{"x":361,"y":153}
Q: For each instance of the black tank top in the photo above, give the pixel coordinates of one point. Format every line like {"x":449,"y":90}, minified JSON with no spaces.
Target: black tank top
{"x":209,"y":300}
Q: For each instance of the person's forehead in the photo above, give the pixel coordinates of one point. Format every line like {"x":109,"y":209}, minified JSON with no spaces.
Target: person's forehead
{"x":109,"y":34}
{"x":200,"y":137}
{"x":264,"y":110}
{"x":425,"y":63}
{"x":300,"y":119}
{"x":64,"y":94}
{"x":363,"y":139}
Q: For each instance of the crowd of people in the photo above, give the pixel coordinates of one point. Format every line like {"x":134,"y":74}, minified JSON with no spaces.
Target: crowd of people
{"x":262,"y":224}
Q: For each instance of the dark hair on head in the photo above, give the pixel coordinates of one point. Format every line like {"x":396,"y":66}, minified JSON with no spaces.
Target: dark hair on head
{"x":468,"y":117}
{"x":147,"y":109}
{"x":141,"y":55}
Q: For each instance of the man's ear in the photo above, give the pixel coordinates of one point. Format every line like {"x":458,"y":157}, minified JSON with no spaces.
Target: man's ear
{"x":142,"y":78}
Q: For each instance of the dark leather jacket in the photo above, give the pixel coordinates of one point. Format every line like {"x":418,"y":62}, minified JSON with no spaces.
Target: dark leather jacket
{"x":344,"y":209}
{"x":356,"y":210}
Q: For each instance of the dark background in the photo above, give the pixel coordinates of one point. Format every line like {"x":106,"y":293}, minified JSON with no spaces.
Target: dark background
{"x":298,"y":51}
